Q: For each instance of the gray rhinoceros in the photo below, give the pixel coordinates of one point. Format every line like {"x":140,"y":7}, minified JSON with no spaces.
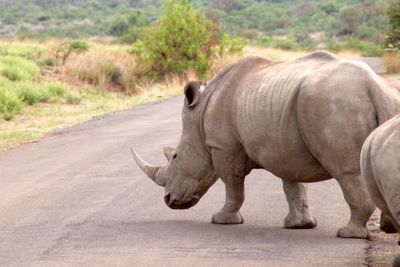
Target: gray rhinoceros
{"x":380,"y":165}
{"x":304,"y":120}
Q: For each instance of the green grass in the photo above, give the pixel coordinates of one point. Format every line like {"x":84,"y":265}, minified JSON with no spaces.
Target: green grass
{"x":16,"y":68}
{"x":31,"y":93}
{"x":55,"y":89}
{"x":29,"y":51}
{"x":9,"y":104}
{"x":33,"y":102}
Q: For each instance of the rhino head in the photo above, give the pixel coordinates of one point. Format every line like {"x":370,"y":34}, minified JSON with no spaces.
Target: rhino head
{"x":189,"y":172}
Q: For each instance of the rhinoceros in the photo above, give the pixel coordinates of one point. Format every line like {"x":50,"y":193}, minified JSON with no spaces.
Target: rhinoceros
{"x":380,"y":166}
{"x":303,"y":120}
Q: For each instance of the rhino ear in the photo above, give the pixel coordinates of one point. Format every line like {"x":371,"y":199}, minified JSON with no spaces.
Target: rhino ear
{"x":192,"y":92}
{"x":169,"y":152}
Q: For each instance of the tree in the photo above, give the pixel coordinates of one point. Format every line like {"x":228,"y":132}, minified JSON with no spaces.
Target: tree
{"x":128,"y":28}
{"x":392,"y":39}
{"x":182,"y":40}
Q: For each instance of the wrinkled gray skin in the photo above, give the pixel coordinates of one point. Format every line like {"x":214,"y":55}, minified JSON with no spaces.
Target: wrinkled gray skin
{"x":304,"y":120}
{"x":380,"y":165}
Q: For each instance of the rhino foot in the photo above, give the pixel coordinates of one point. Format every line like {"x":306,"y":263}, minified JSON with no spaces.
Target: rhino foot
{"x":292,"y":222}
{"x":227,"y":218}
{"x":353,"y":231}
{"x":396,"y":261}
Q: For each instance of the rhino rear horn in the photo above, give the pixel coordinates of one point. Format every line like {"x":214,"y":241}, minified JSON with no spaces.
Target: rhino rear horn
{"x":151,"y":171}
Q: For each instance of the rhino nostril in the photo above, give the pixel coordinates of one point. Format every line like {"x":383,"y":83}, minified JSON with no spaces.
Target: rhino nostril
{"x":167,"y":197}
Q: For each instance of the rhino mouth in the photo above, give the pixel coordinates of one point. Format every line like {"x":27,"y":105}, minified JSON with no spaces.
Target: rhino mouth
{"x":180,"y":204}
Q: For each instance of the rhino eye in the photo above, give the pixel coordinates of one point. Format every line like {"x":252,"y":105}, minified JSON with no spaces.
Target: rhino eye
{"x":174,"y":156}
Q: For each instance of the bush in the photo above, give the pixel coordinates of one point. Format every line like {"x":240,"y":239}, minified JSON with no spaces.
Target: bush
{"x":128,"y":28}
{"x":73,"y":98}
{"x":391,"y":60}
{"x":64,"y":50}
{"x":9,"y":103}
{"x":17,"y":68}
{"x":31,"y":94}
{"x":229,"y":45}
{"x":182,"y":40}
{"x":113,"y":72}
{"x":367,"y":49}
{"x":48,"y":62}
{"x":54,"y":89}
{"x":268,"y":41}
{"x":28,"y":51}
{"x":392,"y":39}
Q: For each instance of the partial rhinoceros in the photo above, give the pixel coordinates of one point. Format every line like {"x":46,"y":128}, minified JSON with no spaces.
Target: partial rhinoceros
{"x":380,"y":165}
{"x":304,"y":120}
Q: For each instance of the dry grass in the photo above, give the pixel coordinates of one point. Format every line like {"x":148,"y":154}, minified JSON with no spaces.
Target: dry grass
{"x":391,"y":59}
{"x":282,"y":55}
{"x":110,"y":68}
{"x":270,"y":53}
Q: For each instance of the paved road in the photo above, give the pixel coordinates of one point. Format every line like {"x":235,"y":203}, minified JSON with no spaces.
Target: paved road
{"x":77,"y":199}
{"x":376,"y":63}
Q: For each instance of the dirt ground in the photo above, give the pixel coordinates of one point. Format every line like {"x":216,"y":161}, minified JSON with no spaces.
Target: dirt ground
{"x":383,"y":247}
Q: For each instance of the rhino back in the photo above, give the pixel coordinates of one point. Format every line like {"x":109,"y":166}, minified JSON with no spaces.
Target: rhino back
{"x":256,"y":108}
{"x":299,"y":119}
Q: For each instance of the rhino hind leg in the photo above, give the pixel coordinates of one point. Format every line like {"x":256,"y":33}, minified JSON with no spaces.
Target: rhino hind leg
{"x":361,"y":206}
{"x":299,"y":216}
{"x":386,"y":224}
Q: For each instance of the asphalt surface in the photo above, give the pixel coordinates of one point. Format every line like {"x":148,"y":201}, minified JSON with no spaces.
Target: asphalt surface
{"x":77,"y":199}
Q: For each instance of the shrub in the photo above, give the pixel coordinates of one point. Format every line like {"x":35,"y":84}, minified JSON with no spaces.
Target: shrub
{"x":28,"y":51}
{"x":9,"y":103}
{"x":391,"y":60}
{"x":13,"y":73}
{"x":73,"y":98}
{"x":129,"y":27}
{"x":31,"y":94}
{"x":48,"y":62}
{"x":367,"y":49}
{"x":113,"y":72}
{"x":182,"y":40}
{"x":66,"y":49}
{"x":392,"y":39}
{"x":17,"y":68}
{"x":268,"y":41}
{"x":54,"y":89}
{"x":230,"y":45}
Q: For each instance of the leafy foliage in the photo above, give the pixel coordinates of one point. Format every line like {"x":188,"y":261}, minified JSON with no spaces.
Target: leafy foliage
{"x":298,"y":19}
{"x":182,"y":40}
{"x":392,"y":39}
{"x":65,"y":49}
{"x":129,"y":27}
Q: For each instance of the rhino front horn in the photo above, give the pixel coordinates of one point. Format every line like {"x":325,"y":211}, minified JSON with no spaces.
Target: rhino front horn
{"x":148,"y":169}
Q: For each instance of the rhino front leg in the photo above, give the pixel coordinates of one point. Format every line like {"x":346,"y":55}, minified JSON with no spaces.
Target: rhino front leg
{"x":231,"y":169}
{"x":299,"y":216}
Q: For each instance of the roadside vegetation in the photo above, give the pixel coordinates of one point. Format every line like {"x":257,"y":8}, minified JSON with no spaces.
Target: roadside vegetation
{"x":48,"y":82}
{"x":392,"y":40}
{"x":288,"y":23}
